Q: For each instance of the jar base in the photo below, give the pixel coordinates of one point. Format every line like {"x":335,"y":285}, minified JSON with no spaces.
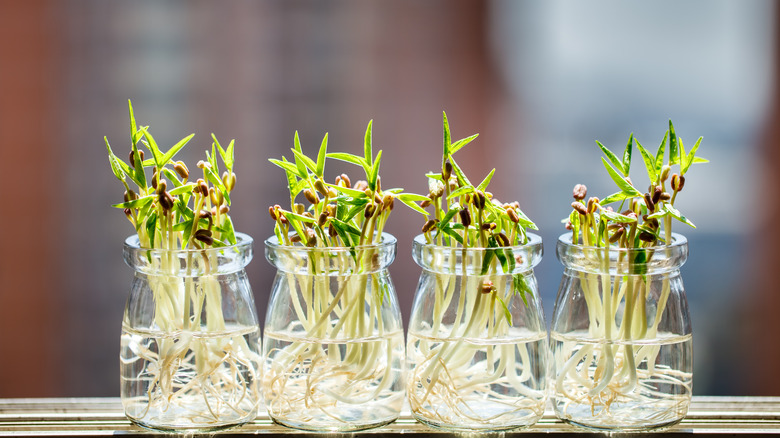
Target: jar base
{"x":473,"y":429}
{"x":617,"y":428}
{"x":343,"y":427}
{"x":186,"y":429}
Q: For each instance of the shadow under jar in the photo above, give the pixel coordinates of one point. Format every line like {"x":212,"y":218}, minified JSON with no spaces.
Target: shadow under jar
{"x":333,"y":338}
{"x":477,"y":350}
{"x":190,"y":338}
{"x":621,"y":337}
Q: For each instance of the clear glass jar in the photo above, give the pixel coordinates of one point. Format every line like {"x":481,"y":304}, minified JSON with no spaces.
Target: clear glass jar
{"x":333,"y":339}
{"x":621,"y":337}
{"x":190,"y":338}
{"x":477,"y":350}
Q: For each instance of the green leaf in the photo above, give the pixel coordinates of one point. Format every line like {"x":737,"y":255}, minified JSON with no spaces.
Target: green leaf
{"x":677,"y":215}
{"x":616,"y":197}
{"x":620,"y":180}
{"x":152,"y":144}
{"x":674,"y":149}
{"x":374,"y":171}
{"x":659,"y":154}
{"x":627,"y":155}
{"x":462,"y":179}
{"x":297,"y":144}
{"x":691,"y":156}
{"x":226,"y":154}
{"x":289,"y":167}
{"x":133,"y":126}
{"x":448,"y":230}
{"x":412,"y":197}
{"x":349,"y":158}
{"x":138,"y":202}
{"x":348,"y":191}
{"x":184,"y":188}
{"x":458,"y":145}
{"x":114,"y":161}
{"x":616,"y":217}
{"x":321,"y":157}
{"x":460,"y":192}
{"x":217,"y":181}
{"x":354,"y":210}
{"x":151,"y":227}
{"x":176,"y":148}
{"x":299,"y":217}
{"x":649,"y":162}
{"x":700,"y":160}
{"x":489,"y":254}
{"x":307,"y":162}
{"x":173,"y":176}
{"x":507,"y":313}
{"x":447,"y":135}
{"x":522,"y":288}
{"x":409,"y":202}
{"x":448,"y":216}
{"x":367,"y":143}
{"x":227,"y":230}
{"x":483,"y":185}
{"x":611,"y":156}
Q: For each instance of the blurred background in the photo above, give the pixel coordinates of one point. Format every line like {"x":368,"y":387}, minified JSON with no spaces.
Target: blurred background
{"x":539,"y":80}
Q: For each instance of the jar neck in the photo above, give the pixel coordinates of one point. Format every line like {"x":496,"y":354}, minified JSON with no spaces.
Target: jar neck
{"x":331,"y":261}
{"x":189,"y":262}
{"x":478,"y":261}
{"x":623,"y":261}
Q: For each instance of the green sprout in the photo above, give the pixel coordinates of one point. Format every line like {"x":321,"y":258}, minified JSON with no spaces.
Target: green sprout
{"x":338,"y":291}
{"x":471,"y":227}
{"x":170,"y":212}
{"x":636,"y":226}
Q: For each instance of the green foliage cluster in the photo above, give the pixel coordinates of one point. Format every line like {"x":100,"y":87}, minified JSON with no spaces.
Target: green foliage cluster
{"x":166,"y":209}
{"x":641,"y":219}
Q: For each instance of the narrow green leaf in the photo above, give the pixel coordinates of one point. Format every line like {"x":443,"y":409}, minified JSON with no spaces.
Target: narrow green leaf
{"x":289,"y":167}
{"x":114,"y":161}
{"x":307,"y":162}
{"x":627,"y":155}
{"x":217,"y":181}
{"x":133,"y":126}
{"x":458,"y":145}
{"x":410,"y":203}
{"x":411,"y":197}
{"x":448,"y":230}
{"x":489,"y":254}
{"x":507,"y":313}
{"x":483,"y":185}
{"x":176,"y":148}
{"x":302,"y":218}
{"x":348,"y":191}
{"x":462,"y":179}
{"x":659,"y":154}
{"x":152,"y":144}
{"x":683,"y":156}
{"x":674,"y":150}
{"x":700,"y":160}
{"x":447,"y":135}
{"x":367,"y":143}
{"x":616,"y":197}
{"x":460,"y":192}
{"x":172,"y":176}
{"x":521,"y":287}
{"x":227,"y":230}
{"x":448,"y":216}
{"x":616,"y":217}
{"x":297,"y":145}
{"x":349,"y":158}
{"x":677,"y":215}
{"x":611,"y":156}
{"x":137,"y":203}
{"x":691,"y":157}
{"x":620,"y":180}
{"x":649,"y":162}
{"x":184,"y":188}
{"x":321,"y":157}
{"x":347,"y":227}
{"x":374,"y":171}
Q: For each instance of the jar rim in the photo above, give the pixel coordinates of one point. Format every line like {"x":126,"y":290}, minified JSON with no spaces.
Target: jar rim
{"x":534,"y":240}
{"x":388,"y":241}
{"x":678,"y":240}
{"x":243,"y":242}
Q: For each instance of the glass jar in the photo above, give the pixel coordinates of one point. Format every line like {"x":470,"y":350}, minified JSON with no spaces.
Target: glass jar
{"x":333,"y":339}
{"x":477,"y":344}
{"x":190,"y":338}
{"x":621,"y":337}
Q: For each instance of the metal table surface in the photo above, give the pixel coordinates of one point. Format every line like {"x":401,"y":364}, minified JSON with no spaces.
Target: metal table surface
{"x":708,"y":416}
